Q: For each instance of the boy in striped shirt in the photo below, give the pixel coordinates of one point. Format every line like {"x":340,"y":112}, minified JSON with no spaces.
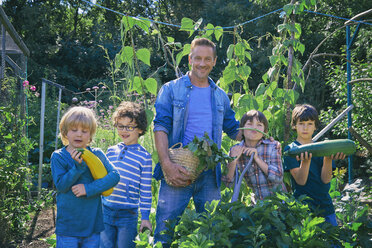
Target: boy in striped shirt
{"x":134,"y":163}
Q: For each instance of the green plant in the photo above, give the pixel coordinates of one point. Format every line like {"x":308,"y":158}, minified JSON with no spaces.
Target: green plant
{"x":14,"y":173}
{"x":52,"y":240}
{"x":279,"y":221}
{"x":208,"y":153}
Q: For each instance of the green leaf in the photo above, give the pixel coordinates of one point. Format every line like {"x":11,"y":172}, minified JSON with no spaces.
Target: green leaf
{"x":273,"y":59}
{"x":143,"y":23}
{"x":144,"y":54}
{"x":187,"y":24}
{"x":230,"y":51}
{"x":248,"y":55}
{"x":128,"y":22}
{"x":179,"y":57}
{"x":271,"y":88}
{"x":150,"y":116}
{"x":236,"y":97}
{"x":151,"y":85}
{"x":244,"y":72}
{"x":229,"y":73}
{"x":127,"y":55}
{"x":170,"y":39}
{"x":288,"y":9}
{"x":8,"y":136}
{"x":218,"y":32}
{"x":265,"y":77}
{"x":118,"y":61}
{"x":260,"y":90}
{"x":301,"y":48}
{"x":137,"y":84}
{"x":209,"y":29}
{"x":239,"y":49}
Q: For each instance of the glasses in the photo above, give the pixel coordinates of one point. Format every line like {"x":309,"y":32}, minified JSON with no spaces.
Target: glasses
{"x":127,"y":128}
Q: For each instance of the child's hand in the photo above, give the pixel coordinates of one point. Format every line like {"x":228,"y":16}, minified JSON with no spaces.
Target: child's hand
{"x":75,"y":154}
{"x":237,"y":151}
{"x":304,"y":156}
{"x":249,"y":150}
{"x":145,"y":224}
{"x":79,"y":190}
{"x":337,"y":156}
{"x":228,"y":181}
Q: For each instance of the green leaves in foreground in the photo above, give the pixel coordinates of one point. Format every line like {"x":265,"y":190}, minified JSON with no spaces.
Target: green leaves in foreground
{"x":208,"y":153}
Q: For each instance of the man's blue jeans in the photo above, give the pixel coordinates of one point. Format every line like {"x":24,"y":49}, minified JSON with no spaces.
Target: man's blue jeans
{"x":77,"y":242}
{"x":173,"y":201}
{"x":120,"y":228}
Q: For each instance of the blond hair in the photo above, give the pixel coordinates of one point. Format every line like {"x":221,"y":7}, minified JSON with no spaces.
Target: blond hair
{"x":75,"y":117}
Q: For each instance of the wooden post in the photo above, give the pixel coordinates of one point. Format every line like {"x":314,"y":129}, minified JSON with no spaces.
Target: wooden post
{"x":41,"y":143}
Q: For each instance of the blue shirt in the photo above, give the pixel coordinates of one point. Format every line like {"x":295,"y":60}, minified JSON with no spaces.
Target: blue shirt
{"x":172,"y":112}
{"x":314,"y":187}
{"x":200,"y":114}
{"x":134,"y":164}
{"x":80,"y":216}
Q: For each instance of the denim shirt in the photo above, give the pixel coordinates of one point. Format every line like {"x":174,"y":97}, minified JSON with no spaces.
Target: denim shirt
{"x":172,"y":112}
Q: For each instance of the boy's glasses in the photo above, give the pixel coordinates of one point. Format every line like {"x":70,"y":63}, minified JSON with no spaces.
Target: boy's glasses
{"x":127,"y":128}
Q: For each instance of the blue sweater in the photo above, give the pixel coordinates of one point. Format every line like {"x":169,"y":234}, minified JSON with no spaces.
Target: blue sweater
{"x":134,"y":164}
{"x":80,"y":216}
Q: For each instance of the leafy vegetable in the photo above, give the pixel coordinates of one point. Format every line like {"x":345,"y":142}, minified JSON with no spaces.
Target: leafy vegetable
{"x":208,"y":153}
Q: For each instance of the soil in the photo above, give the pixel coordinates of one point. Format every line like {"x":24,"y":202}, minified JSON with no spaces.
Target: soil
{"x":41,"y":226}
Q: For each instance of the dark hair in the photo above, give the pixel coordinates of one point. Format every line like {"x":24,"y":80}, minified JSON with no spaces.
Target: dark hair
{"x":203,"y":42}
{"x":255,"y":114}
{"x":133,"y":111}
{"x":304,"y":112}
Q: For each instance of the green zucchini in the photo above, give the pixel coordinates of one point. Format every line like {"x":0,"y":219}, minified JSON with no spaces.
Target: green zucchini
{"x":324,"y":148}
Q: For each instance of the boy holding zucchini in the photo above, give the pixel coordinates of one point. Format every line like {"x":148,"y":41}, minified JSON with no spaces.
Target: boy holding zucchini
{"x":311,"y":176}
{"x":79,"y":205}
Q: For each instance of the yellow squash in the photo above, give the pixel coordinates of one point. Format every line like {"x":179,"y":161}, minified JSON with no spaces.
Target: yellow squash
{"x":95,"y":166}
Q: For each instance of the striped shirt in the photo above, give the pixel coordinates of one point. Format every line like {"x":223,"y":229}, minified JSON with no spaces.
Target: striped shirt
{"x":261,"y":184}
{"x":134,"y":164}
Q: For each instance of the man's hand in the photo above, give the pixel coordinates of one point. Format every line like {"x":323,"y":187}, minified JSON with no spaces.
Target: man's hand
{"x":177,"y":175}
{"x":79,"y":190}
{"x":278,"y":145}
{"x":145,"y":224}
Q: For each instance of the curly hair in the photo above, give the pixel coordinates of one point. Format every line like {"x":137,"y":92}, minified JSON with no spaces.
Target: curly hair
{"x":134,"y":111}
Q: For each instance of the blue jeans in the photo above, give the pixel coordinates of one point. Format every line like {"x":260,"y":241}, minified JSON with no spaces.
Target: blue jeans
{"x":120,"y":228}
{"x":78,"y":242}
{"x":173,"y":201}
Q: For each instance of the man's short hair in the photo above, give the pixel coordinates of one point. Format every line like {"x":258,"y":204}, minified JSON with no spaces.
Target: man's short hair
{"x":203,"y":42}
{"x":305,"y":112}
{"x":133,"y":111}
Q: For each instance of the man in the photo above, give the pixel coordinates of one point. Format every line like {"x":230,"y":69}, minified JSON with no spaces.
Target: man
{"x":185,"y":107}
